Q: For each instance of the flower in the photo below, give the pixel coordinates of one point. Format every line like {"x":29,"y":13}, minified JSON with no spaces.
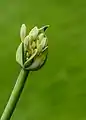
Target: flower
{"x":33,"y":49}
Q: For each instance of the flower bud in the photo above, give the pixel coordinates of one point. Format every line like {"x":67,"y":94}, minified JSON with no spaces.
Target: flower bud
{"x":41,"y":36}
{"x":23,"y":32}
{"x":43,"y":42}
{"x":32,"y":52}
{"x":33,"y":33}
{"x":39,"y":61}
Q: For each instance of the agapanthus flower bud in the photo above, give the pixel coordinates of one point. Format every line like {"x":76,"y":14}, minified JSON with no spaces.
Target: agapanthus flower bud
{"x":33,"y":33}
{"x":32,"y":51}
{"x":23,"y":32}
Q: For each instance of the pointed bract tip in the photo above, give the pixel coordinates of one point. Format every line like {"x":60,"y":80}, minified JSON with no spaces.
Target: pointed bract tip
{"x":44,"y":28}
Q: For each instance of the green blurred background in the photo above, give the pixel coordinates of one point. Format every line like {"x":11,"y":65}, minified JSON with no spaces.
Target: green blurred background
{"x":58,"y":90}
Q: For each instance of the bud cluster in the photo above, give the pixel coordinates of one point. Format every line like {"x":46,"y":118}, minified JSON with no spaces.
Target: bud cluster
{"x":32,"y":52}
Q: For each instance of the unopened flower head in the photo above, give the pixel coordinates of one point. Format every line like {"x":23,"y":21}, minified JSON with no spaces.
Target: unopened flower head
{"x":33,"y":49}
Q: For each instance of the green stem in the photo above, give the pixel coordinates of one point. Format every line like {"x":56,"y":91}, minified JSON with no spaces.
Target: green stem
{"x":15,"y":95}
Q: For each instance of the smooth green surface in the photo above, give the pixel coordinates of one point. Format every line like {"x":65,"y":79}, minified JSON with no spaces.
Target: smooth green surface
{"x":15,"y":95}
{"x":58,"y":90}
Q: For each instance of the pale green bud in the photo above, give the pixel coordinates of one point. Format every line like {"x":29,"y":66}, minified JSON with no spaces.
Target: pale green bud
{"x":41,"y":36}
{"x":43,"y":42}
{"x":32,"y":52}
{"x":23,"y":32}
{"x":39,"y":61}
{"x":26,"y":41}
{"x":33,"y":33}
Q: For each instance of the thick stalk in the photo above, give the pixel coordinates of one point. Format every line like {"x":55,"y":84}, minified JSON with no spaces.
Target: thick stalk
{"x":15,"y":95}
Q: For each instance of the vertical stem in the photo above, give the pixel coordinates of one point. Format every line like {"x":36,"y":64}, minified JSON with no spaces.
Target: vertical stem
{"x":15,"y":95}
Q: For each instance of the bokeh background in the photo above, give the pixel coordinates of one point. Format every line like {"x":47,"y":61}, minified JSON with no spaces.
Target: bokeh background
{"x":58,"y":90}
